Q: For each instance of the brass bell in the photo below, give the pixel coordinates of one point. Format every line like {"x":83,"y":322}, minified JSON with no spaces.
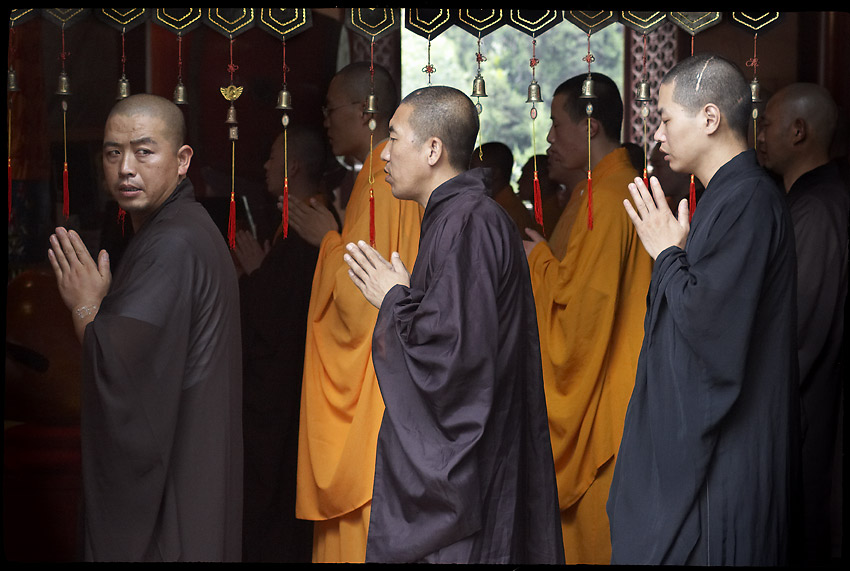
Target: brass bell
{"x":642,"y":94}
{"x":534,"y":93}
{"x":180,"y":94}
{"x":64,"y":86}
{"x":478,"y":86}
{"x":371,"y":104}
{"x":12,"y":81}
{"x":587,"y":88}
{"x":231,"y":115}
{"x":123,"y":88}
{"x":284,"y":100}
{"x":755,"y":90}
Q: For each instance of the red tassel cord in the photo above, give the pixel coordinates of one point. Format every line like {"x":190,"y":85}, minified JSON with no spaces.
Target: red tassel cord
{"x":538,"y":203}
{"x":121,"y":215}
{"x":692,"y":199}
{"x":285,"y":216}
{"x":589,"y":202}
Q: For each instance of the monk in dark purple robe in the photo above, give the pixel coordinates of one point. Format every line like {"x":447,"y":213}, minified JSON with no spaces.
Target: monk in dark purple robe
{"x":161,"y":423}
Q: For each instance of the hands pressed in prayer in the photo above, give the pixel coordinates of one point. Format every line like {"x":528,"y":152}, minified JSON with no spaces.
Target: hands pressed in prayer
{"x":372,"y":274}
{"x":655,"y":224}
{"x":82,"y":283}
{"x":248,"y":251}
{"x":536,"y":238}
{"x":311,"y":221}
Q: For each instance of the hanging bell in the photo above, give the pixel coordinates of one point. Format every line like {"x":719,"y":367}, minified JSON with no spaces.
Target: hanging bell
{"x":371,"y":104}
{"x":64,"y":86}
{"x":534,"y":93}
{"x":642,"y":94}
{"x":284,"y":100}
{"x":478,"y":86}
{"x":587,"y":88}
{"x":123,"y":88}
{"x":180,"y":94}
{"x":755,"y":91}
{"x":231,"y":115}
{"x":12,"y":81}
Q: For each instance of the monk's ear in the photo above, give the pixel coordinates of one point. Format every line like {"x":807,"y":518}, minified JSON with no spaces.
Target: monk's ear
{"x":435,"y":150}
{"x":184,"y":159}
{"x":593,"y":125}
{"x":798,"y":131}
{"x":711,"y":118}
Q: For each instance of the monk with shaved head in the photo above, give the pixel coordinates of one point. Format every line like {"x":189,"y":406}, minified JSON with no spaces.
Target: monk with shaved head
{"x":706,"y":469}
{"x":463,"y":470}
{"x":161,"y":425}
{"x":794,"y":139}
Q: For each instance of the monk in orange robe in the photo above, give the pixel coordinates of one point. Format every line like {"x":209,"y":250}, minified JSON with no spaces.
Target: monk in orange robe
{"x":498,"y":158}
{"x":341,"y":405}
{"x":590,"y":307}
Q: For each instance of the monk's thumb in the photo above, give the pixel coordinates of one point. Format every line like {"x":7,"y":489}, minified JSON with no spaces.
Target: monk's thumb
{"x":103,"y":264}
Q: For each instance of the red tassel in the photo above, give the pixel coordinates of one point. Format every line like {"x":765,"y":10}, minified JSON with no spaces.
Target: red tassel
{"x":10,"y":189}
{"x":589,"y":202}
{"x":692,"y":199}
{"x":66,"y":201}
{"x":285,"y":209}
{"x":372,"y":217}
{"x":121,"y":214}
{"x":538,"y":203}
{"x":645,"y":178}
{"x":231,"y":223}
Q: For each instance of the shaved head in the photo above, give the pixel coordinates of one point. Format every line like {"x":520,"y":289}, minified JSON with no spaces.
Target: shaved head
{"x":148,"y":105}
{"x":814,"y":105}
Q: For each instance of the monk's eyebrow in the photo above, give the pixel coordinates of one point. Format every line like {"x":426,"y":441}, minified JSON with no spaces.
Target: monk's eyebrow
{"x":134,"y":142}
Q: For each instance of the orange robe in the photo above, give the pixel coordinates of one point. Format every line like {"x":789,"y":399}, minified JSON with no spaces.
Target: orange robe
{"x":508,"y":199}
{"x":341,"y":405}
{"x":590,"y":309}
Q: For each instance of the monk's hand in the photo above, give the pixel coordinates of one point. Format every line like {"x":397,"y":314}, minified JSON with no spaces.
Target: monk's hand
{"x":372,"y":274}
{"x":312,"y":221}
{"x":655,"y":224}
{"x":248,"y":251}
{"x":536,"y":238}
{"x":82,"y":283}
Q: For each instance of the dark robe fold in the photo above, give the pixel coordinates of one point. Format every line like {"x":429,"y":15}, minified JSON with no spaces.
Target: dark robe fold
{"x":708,"y":456}
{"x":161,"y":397}
{"x":464,"y":469}
{"x":274,"y":302}
{"x":819,"y":202}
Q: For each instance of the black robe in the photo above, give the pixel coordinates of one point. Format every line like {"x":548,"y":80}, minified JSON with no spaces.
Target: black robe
{"x":707,"y":460}
{"x":161,"y":421}
{"x":819,"y":202}
{"x":274,"y":301}
{"x":464,"y":470}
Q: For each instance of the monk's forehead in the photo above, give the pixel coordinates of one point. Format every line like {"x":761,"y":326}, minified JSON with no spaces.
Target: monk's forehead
{"x":137,"y":125}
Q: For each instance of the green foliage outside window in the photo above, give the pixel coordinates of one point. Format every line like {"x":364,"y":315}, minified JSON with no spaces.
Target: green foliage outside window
{"x":506,"y":115}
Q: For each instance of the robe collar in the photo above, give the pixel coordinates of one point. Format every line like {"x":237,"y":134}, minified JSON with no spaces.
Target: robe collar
{"x":472,"y":181}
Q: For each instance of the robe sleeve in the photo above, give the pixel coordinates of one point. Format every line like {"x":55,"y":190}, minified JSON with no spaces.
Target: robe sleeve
{"x":711,"y":294}
{"x":136,"y":352}
{"x":341,"y":406}
{"x":435,"y":353}
{"x":580,"y":311}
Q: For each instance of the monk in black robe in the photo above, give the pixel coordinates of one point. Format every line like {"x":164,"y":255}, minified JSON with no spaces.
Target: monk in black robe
{"x":707,"y":461}
{"x":161,"y":423}
{"x":794,"y":137}
{"x":464,"y":470}
{"x":274,"y":288}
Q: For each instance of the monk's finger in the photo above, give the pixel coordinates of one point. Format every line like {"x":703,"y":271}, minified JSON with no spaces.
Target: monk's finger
{"x":631,"y":212}
{"x":637,"y":198}
{"x":373,"y":255}
{"x":58,"y":253}
{"x":80,"y":251}
{"x":54,"y":263}
{"x":657,"y":191}
{"x":355,"y":268}
{"x":357,"y":256}
{"x":646,"y":197}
